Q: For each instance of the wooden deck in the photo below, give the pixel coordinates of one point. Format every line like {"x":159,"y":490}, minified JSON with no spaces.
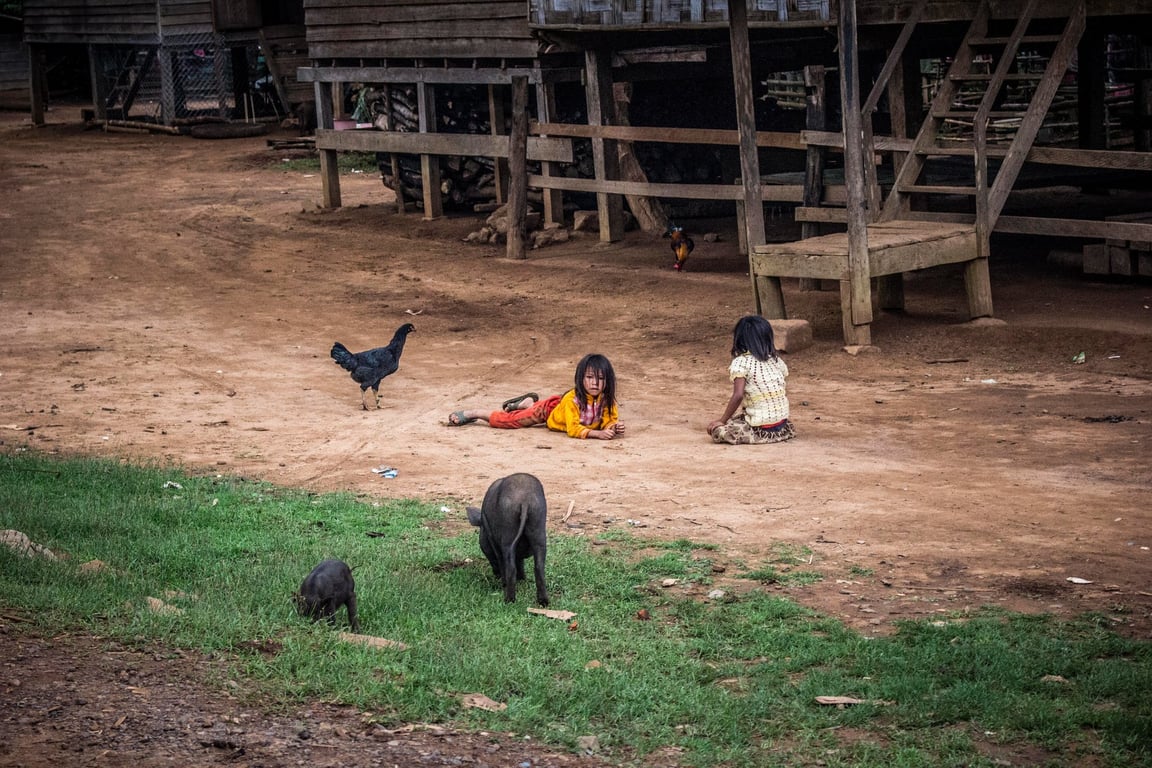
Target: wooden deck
{"x":894,"y":247}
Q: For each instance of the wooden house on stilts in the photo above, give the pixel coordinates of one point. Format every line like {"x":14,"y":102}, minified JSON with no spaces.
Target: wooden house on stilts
{"x":911,"y":126}
{"x":170,"y":62}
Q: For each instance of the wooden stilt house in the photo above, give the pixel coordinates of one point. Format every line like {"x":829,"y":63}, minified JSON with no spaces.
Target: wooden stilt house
{"x":165,"y":61}
{"x":947,"y":108}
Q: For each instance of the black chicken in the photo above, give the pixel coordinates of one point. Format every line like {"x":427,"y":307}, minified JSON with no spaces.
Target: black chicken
{"x":368,"y":368}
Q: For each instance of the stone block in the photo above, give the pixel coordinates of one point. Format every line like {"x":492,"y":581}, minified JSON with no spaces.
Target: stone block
{"x":791,"y":335}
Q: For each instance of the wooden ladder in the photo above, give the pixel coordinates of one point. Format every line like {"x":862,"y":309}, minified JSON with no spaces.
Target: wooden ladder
{"x":135,"y":69}
{"x":971,"y":100}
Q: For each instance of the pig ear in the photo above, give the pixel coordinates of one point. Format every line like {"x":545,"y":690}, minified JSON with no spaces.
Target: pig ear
{"x":473,"y":515}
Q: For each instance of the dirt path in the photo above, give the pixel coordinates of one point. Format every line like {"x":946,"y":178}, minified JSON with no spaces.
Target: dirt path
{"x":168,"y":298}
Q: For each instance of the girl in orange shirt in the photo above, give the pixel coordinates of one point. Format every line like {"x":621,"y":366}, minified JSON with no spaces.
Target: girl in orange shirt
{"x":588,"y":410}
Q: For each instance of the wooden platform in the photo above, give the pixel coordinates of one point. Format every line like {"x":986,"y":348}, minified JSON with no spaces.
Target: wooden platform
{"x":894,"y":247}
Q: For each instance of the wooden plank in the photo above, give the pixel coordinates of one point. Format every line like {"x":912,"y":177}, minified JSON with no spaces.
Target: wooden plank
{"x":481,"y":145}
{"x":436,"y":75}
{"x":429,"y":164}
{"x":468,"y":48}
{"x":859,"y":271}
{"x":326,"y":28}
{"x":605,"y":158}
{"x":668,"y":135}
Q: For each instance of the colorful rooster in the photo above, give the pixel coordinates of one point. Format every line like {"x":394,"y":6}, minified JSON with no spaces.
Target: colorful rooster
{"x":682,"y":245}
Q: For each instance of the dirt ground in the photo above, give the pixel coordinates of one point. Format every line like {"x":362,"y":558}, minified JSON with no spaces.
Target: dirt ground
{"x":167,"y":298}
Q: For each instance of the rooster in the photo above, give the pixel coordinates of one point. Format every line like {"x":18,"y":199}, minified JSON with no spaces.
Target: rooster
{"x":369,"y":367}
{"x":682,"y":245}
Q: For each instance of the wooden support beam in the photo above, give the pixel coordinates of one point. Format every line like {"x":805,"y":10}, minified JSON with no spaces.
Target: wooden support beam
{"x":429,"y":164}
{"x":777,"y":139}
{"x":496,"y":117}
{"x":329,"y":170}
{"x":99,"y":85}
{"x":545,"y":111}
{"x":815,"y":116}
{"x":605,"y":158}
{"x":767,"y":294}
{"x":858,"y":301}
{"x":518,"y":170}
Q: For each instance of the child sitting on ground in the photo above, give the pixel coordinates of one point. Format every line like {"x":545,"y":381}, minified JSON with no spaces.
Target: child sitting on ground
{"x":758,"y":390}
{"x":586,"y":411}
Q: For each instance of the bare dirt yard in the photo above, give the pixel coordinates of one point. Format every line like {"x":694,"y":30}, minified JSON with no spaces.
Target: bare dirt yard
{"x":171,"y":299}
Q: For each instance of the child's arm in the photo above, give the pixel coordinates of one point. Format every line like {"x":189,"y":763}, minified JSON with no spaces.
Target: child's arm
{"x":734,"y":403}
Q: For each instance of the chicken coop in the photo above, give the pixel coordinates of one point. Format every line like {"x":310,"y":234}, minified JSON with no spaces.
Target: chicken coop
{"x":170,"y":62}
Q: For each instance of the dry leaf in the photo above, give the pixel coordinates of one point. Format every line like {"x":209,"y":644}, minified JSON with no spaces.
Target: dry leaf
{"x":840,"y":701}
{"x":372,"y":641}
{"x":594,"y":664}
{"x":156,"y":605}
{"x":562,"y":615}
{"x":480,"y":701}
{"x":643,"y":614}
{"x":1054,"y":679}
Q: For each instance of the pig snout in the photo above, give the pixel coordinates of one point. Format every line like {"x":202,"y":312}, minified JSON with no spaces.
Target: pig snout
{"x":326,"y":589}
{"x":513,"y":527}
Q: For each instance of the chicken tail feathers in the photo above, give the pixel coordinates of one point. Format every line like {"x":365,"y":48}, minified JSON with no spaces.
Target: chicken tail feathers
{"x":343,"y":357}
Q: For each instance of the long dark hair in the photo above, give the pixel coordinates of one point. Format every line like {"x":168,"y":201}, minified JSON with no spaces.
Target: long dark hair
{"x":599,"y":364}
{"x":753,"y":334}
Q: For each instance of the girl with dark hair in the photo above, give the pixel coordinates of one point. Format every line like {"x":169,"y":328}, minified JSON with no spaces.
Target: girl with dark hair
{"x":588,"y":410}
{"x":757,"y":412}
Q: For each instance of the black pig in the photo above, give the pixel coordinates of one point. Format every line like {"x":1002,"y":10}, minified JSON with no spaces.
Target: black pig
{"x":513,"y":525}
{"x":329,"y":586}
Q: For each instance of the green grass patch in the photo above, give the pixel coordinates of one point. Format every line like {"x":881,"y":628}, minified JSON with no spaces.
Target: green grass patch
{"x":730,"y":682}
{"x":347,"y":162}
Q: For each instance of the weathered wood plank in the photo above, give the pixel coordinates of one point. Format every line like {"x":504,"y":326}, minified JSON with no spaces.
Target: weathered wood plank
{"x":436,"y":75}
{"x":539,"y":147}
{"x":418,"y":49}
{"x":668,"y":135}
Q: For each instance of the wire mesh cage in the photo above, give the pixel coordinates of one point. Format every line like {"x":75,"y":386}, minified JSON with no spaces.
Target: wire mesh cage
{"x":192,"y":79}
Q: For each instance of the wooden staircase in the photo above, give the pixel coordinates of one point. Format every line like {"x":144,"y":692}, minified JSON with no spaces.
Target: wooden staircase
{"x":984,"y":83}
{"x":1006,"y":96}
{"x":133,"y":72}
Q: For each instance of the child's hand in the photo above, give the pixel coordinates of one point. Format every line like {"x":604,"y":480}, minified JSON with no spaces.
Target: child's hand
{"x":713,"y":424}
{"x":607,"y":433}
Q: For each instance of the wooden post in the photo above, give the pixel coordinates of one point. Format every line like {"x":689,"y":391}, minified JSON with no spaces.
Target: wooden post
{"x":605,"y":158}
{"x":545,"y":113}
{"x":429,"y":164}
{"x":890,"y":288}
{"x":518,"y":169}
{"x":394,"y":161}
{"x":814,"y":120}
{"x":36,"y":94}
{"x":329,"y":169}
{"x":496,"y":117}
{"x":767,"y":295}
{"x":168,"y":97}
{"x":857,"y":305}
{"x":99,"y":85}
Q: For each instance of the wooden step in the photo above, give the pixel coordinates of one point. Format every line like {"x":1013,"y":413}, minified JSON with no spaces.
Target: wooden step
{"x":935,"y":189}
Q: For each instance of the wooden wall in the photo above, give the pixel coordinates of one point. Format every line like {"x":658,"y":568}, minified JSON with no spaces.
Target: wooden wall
{"x":655,"y":14}
{"x":114,"y":21}
{"x":13,"y":62}
{"x":377,"y":29}
{"x":185,"y":17}
{"x":90,"y":21}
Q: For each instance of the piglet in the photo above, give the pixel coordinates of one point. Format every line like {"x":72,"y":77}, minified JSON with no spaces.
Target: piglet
{"x":513,"y":526}
{"x":329,"y":586}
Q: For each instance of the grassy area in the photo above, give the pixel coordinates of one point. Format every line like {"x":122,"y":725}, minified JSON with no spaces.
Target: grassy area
{"x":347,"y":162}
{"x":732,"y":681}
